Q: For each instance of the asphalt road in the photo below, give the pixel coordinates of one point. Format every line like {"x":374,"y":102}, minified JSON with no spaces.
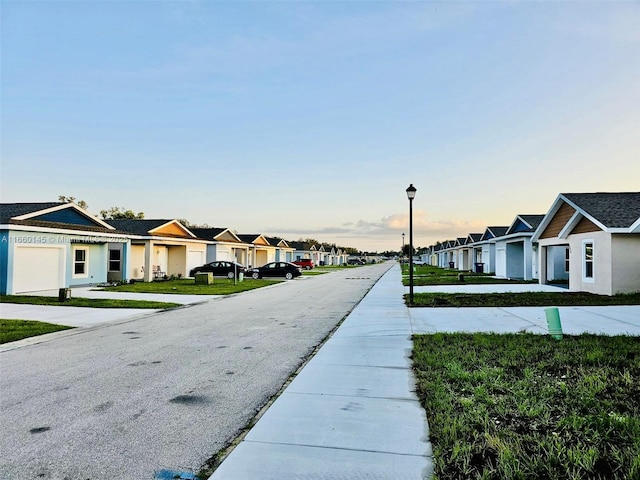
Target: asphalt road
{"x":166,"y":391}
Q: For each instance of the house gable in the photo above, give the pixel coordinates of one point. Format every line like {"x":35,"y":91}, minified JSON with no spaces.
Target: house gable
{"x":172,"y":229}
{"x":519,"y":226}
{"x":585,"y":226}
{"x":67,"y":216}
{"x":558,"y":221}
{"x":493,"y":232}
{"x":254,"y":239}
{"x":226,"y":236}
{"x":62,"y":213}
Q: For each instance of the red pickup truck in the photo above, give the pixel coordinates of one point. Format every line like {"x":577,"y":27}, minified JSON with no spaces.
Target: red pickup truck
{"x":305,"y":263}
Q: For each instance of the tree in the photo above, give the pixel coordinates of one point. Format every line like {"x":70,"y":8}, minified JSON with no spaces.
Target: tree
{"x":407,"y":250}
{"x":119,"y":213}
{"x":81,"y":203}
{"x":188,"y":224}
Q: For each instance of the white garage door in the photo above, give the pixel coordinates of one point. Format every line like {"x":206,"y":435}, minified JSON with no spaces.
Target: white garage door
{"x":195,"y":258}
{"x":38,"y":268}
{"x":223,"y":254}
{"x":501,"y":262}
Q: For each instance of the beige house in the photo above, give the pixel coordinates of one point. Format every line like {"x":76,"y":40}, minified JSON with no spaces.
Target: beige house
{"x":601,"y":234}
{"x":160,"y":248}
{"x":261,"y":251}
{"x":223,"y":244}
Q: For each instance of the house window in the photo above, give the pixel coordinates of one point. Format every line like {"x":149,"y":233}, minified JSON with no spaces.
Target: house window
{"x":566,"y":260}
{"x":80,"y":262}
{"x":587,"y":255}
{"x":114,"y":260}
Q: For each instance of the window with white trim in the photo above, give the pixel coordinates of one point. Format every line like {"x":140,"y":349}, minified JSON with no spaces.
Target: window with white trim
{"x":587,"y":260}
{"x":80,"y":262}
{"x":114,"y":260}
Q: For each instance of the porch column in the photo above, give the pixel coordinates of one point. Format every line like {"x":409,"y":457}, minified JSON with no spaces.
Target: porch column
{"x":124,"y":266}
{"x":148,"y":261}
{"x":527,"y":259}
{"x":542,"y":265}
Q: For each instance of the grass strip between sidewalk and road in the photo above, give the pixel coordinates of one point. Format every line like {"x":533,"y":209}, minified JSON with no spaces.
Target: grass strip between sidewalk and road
{"x":87,"y":302}
{"x":425,"y":275}
{"x":220,"y":286}
{"x":521,"y":299}
{"x":525,"y":406}
{"x":12,"y":330}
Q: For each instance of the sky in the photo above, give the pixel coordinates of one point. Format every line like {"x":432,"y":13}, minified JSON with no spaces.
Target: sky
{"x":309,"y":119}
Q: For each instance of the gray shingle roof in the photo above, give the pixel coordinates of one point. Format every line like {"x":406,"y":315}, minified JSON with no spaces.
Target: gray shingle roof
{"x":613,"y":210}
{"x":136,"y":226}
{"x":249,"y":237}
{"x":207,"y":233}
{"x":533,"y":220}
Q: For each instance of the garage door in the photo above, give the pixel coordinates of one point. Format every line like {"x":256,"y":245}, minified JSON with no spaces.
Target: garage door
{"x":501,"y":262}
{"x":38,"y":268}
{"x":195,"y":258}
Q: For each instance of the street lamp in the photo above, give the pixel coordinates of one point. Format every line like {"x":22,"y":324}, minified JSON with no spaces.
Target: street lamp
{"x":411,"y":194}
{"x":402,"y":251}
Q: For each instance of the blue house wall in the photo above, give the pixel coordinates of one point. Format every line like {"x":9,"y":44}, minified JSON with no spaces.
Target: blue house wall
{"x":4,"y":260}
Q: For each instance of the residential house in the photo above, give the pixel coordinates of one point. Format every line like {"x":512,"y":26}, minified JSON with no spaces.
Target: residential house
{"x":600,"y":233}
{"x":485,"y":248}
{"x":304,"y":250}
{"x":47,"y":246}
{"x":161,"y":248}
{"x":283,"y":251}
{"x":223,"y":244}
{"x":466,"y":257}
{"x":261,"y":251}
{"x":516,"y":254}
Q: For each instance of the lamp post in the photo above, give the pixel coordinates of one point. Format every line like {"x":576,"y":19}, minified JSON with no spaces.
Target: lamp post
{"x":411,"y":194}
{"x":402,"y":251}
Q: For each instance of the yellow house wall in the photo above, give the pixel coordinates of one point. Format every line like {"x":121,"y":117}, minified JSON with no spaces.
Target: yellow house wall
{"x":136,"y":264}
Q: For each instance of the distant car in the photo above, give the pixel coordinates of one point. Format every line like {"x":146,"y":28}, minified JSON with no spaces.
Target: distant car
{"x":219,"y":269}
{"x":356,"y":261}
{"x":305,"y":263}
{"x":277,"y":269}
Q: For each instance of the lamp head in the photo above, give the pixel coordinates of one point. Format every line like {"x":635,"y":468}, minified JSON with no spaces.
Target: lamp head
{"x":411,"y":192}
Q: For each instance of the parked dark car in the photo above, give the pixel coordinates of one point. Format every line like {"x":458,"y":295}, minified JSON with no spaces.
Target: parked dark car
{"x":277,"y":269}
{"x":219,"y":269}
{"x":356,"y":261}
{"x":305,"y":263}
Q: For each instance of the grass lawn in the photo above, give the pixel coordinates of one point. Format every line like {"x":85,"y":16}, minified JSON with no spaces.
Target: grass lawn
{"x":523,"y":299}
{"x":429,"y":275}
{"x":87,"y":302}
{"x":12,"y":330}
{"x":524,"y":406}
{"x":220,"y":286}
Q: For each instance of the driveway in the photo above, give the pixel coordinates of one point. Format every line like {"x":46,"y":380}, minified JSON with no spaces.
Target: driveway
{"x":91,"y":317}
{"x":164,"y":391}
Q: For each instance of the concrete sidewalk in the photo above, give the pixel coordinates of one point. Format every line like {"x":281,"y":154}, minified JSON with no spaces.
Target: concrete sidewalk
{"x":352,"y":411}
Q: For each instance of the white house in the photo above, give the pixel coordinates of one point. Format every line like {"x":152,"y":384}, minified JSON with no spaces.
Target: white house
{"x":516,"y":255}
{"x":601,"y":234}
{"x":47,"y":246}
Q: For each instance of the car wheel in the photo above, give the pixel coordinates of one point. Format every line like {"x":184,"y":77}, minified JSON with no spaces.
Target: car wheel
{"x":231,"y":275}
{"x":255,"y":275}
{"x":288,"y":276}
{"x":307,"y":267}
